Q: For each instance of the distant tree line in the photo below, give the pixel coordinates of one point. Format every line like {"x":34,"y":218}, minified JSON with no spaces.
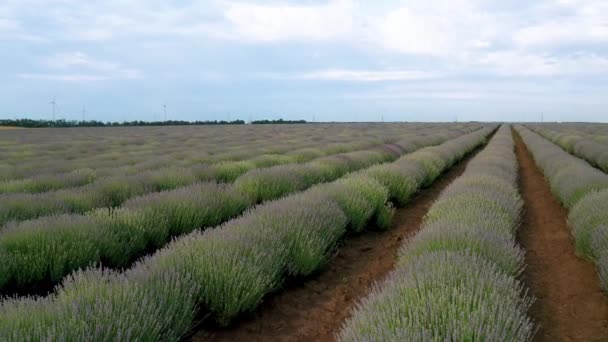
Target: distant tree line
{"x":279,"y":121}
{"x":29,"y":123}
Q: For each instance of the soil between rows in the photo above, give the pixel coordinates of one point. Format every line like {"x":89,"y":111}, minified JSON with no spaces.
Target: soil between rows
{"x":570,"y":305}
{"x":315,"y":309}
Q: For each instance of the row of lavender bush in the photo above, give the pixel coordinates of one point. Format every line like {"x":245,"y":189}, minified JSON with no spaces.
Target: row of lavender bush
{"x":570,"y":178}
{"x":583,"y":189}
{"x":595,"y":131}
{"x":30,"y":152}
{"x":50,"y":247}
{"x":113,"y":191}
{"x":226,"y":271}
{"x":592,"y":151}
{"x":456,"y":280}
{"x":124,"y":162}
{"x":54,"y":181}
{"x":43,"y":153}
{"x":35,"y":152}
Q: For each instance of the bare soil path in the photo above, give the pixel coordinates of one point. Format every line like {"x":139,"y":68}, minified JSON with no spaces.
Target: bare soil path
{"x":570,"y":305}
{"x":315,"y":309}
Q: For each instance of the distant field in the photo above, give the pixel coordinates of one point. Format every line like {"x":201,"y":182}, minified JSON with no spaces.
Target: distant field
{"x":350,"y":232}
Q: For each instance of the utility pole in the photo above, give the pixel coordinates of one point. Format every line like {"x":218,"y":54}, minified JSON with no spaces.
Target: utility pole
{"x":84,"y":112}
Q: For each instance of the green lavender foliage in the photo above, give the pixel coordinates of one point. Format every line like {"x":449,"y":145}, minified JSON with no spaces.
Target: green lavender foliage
{"x":583,"y":190}
{"x":48,"y":249}
{"x":52,"y":247}
{"x":80,"y":190}
{"x":589,"y":222}
{"x":224,"y":271}
{"x":456,"y":279}
{"x":581,"y":146}
{"x":570,"y":178}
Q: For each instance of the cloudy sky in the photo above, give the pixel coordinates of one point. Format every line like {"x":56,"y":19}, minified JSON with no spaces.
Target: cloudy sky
{"x":337,"y":60}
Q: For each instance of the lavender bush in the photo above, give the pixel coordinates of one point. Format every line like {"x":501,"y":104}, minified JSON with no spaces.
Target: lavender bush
{"x":589,"y":222}
{"x":592,"y":151}
{"x":111,"y":191}
{"x":224,"y":271}
{"x":49,"y":248}
{"x":148,"y":221}
{"x":48,"y":182}
{"x":456,"y":279}
{"x":584,"y":190}
{"x":65,"y":243}
{"x":570,"y":178}
{"x":443,"y":296}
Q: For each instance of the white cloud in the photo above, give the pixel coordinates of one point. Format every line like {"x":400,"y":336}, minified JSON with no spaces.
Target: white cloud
{"x":268,"y":23}
{"x":79,"y":59}
{"x":354,"y":75}
{"x":514,"y":63}
{"x":418,"y":94}
{"x":461,"y":35}
{"x":566,"y":22}
{"x":433,"y":28}
{"x":215,"y":19}
{"x":11,"y":29}
{"x":64,"y":77}
{"x":79,"y":67}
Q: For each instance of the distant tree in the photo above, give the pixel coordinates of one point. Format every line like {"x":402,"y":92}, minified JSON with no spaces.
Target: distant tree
{"x":29,"y":123}
{"x":279,"y":121}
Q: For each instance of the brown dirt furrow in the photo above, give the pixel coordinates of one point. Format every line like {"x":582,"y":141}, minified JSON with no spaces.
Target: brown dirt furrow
{"x":569,"y":303}
{"x":314,"y":310}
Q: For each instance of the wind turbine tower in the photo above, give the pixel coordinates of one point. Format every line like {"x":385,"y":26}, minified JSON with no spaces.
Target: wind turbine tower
{"x":165,"y":111}
{"x":53,"y":104}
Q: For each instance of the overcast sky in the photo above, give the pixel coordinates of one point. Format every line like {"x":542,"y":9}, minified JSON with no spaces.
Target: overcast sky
{"x":340,"y":60}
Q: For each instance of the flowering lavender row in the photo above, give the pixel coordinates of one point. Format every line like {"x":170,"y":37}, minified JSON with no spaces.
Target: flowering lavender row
{"x":48,"y":153}
{"x":570,"y":178}
{"x":112,"y":191}
{"x":50,"y":247}
{"x":584,"y":190}
{"x":228,"y":270}
{"x":185,"y":156}
{"x":597,"y":132}
{"x":589,"y":222}
{"x":594,"y":152}
{"x":456,"y":280}
{"x":144,"y":160}
{"x":33,"y":152}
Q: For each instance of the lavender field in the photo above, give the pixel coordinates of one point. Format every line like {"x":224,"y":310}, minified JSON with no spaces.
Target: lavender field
{"x":216,"y":233}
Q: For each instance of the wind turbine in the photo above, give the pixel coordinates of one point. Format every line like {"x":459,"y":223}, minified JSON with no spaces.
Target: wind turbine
{"x":165,"y":110}
{"x":53,"y":104}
